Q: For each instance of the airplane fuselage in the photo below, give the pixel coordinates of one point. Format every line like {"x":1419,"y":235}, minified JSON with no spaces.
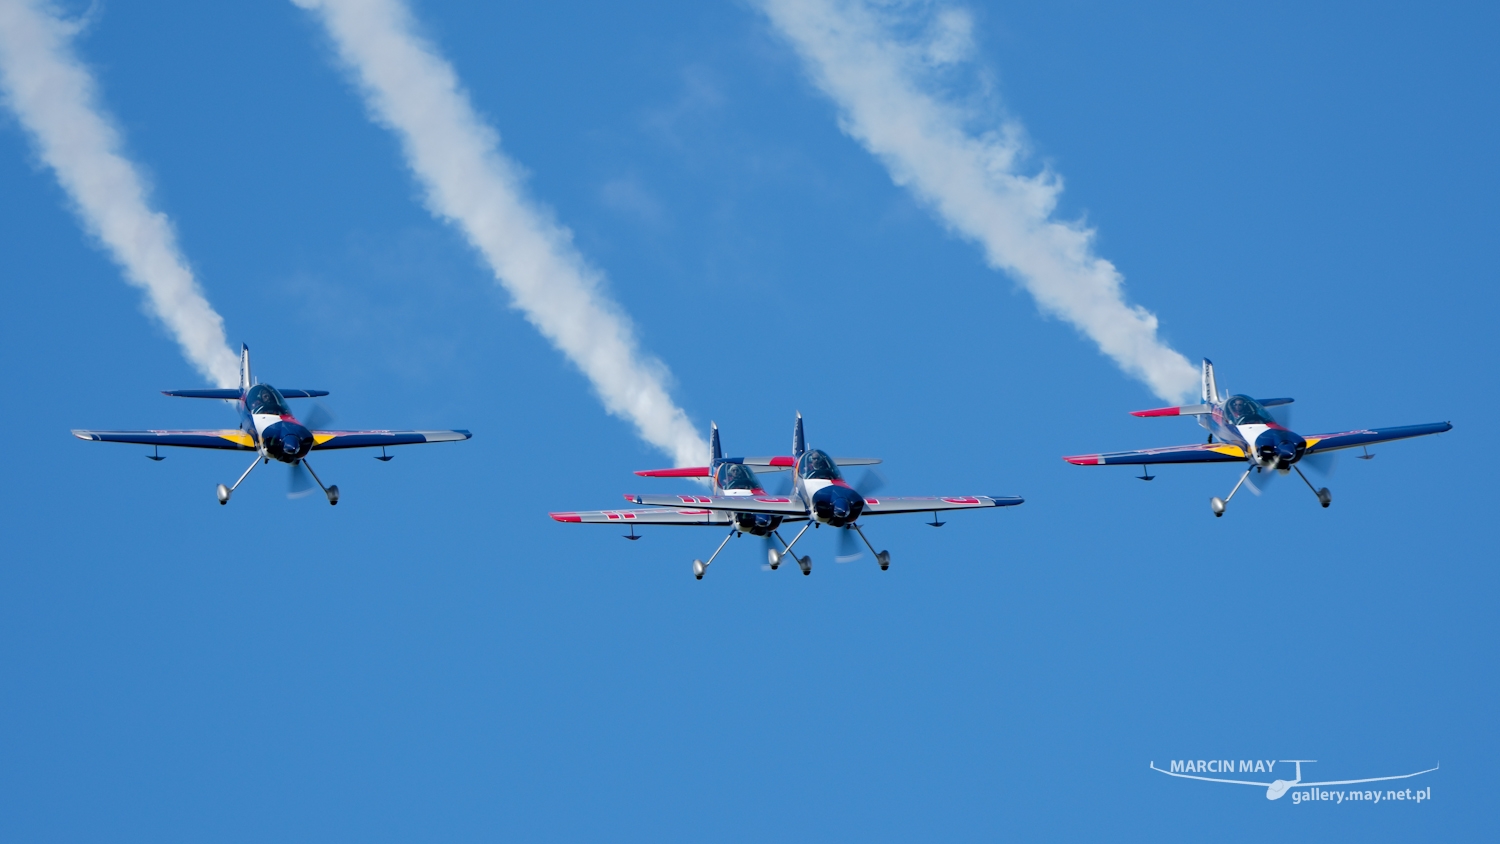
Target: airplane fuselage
{"x":1242,"y":422}
{"x":266,"y":418}
{"x":823,"y":490}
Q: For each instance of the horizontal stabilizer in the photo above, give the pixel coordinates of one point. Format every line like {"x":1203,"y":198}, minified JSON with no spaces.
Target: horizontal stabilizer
{"x":1185,"y":410}
{"x":685,"y":472}
{"x":234,"y":393}
{"x":784,"y":462}
{"x":775,"y":505}
{"x":231,"y":394}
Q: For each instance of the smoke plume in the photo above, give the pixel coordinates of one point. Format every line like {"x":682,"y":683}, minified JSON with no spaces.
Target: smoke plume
{"x":468,"y":181}
{"x":55,"y":98}
{"x":888,"y":67}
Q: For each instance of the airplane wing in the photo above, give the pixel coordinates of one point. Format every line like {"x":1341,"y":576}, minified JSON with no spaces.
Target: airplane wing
{"x":883,"y":506}
{"x":326,"y":440}
{"x":774,"y":505}
{"x":1209,"y":779}
{"x":231,"y":438}
{"x":1196,"y":453}
{"x":652,"y":516}
{"x":1349,"y":439}
{"x":1368,"y":779}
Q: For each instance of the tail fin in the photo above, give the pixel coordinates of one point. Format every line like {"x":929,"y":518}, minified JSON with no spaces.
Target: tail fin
{"x":1210,"y":387}
{"x":245,"y":380}
{"x":799,"y":442}
{"x":715,"y":450}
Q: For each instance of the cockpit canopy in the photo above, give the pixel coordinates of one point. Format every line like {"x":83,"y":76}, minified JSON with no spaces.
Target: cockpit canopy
{"x":817,"y":466}
{"x":736,"y":476}
{"x":1243,"y":410}
{"x":263,"y":398}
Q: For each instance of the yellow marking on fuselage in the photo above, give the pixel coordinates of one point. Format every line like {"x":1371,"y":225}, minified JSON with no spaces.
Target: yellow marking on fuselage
{"x":319,"y":439}
{"x":1312,"y":441}
{"x":238,"y":437}
{"x":1231,"y":450}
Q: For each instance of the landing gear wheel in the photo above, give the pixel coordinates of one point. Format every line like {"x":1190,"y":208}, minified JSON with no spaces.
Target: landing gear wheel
{"x":223,"y":493}
{"x":1325,"y":497}
{"x":774,"y":558}
{"x":333,"y":494}
{"x":699,"y":569}
{"x":884,"y":558}
{"x":806,"y":564}
{"x":1218,"y":504}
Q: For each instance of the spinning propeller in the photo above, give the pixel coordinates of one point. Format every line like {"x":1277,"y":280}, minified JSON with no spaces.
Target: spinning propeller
{"x":870,"y":483}
{"x":299,"y":480}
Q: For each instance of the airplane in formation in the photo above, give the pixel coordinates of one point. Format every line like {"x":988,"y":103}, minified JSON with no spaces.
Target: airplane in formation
{"x":268,"y":427}
{"x":819,"y":496}
{"x":1242,"y":430}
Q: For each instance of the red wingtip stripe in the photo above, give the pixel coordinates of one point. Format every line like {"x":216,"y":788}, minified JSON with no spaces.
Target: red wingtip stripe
{"x":784,"y":461}
{"x":1085,"y":460}
{"x":565,"y":517}
{"x":1159,"y":411}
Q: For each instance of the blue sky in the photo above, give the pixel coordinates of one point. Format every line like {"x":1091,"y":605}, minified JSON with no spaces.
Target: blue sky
{"x":1303,"y":195}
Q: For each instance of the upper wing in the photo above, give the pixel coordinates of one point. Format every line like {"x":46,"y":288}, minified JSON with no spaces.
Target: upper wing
{"x":646,"y":517}
{"x":1197,"y":453}
{"x":325,"y":440}
{"x":1349,"y":439}
{"x":227,"y":438}
{"x":883,"y":506}
{"x":775,"y":505}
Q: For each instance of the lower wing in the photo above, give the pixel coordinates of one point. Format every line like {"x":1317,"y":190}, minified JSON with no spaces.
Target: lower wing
{"x":883,"y":506}
{"x":771,"y":505}
{"x":325,"y":440}
{"x":1197,"y":453}
{"x":652,"y":516}
{"x":1350,"y":439}
{"x":231,"y":438}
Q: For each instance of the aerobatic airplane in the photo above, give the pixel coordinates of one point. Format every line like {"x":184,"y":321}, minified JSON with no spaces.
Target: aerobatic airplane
{"x":819,"y":496}
{"x":1242,"y":430}
{"x":268,"y":428}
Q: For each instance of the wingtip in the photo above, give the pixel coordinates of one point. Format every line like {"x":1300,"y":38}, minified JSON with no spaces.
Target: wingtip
{"x":1084,"y":460}
{"x":565,"y":517}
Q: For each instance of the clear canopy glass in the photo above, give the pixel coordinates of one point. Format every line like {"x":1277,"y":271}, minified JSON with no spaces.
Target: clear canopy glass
{"x":817,"y":466}
{"x":1243,"y":410}
{"x":263,"y":398}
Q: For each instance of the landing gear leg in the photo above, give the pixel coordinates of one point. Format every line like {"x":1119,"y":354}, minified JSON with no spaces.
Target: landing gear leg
{"x":699,"y":567}
{"x":777,"y":556}
{"x":331,"y":491}
{"x":226,"y":491}
{"x":1220,"y":503}
{"x":1324,"y":496}
{"x":882,"y":557}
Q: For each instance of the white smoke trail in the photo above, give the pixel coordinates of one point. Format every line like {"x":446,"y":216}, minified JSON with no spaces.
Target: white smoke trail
{"x":883,"y":63}
{"x":54,"y":96}
{"x":413,"y":91}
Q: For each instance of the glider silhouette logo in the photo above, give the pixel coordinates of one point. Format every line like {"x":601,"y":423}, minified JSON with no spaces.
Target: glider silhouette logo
{"x":1195,"y":769}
